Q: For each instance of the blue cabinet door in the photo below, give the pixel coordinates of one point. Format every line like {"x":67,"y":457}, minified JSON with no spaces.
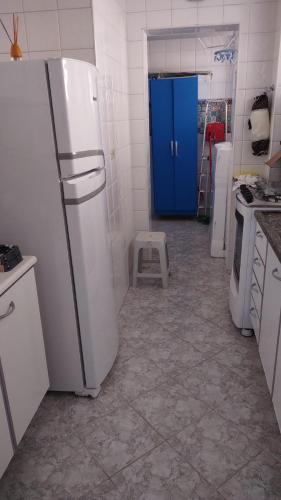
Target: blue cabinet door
{"x":174,"y":145}
{"x":162,"y":129}
{"x":185,"y":136}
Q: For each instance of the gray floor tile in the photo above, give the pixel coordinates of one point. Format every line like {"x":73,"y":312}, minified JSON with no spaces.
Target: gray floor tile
{"x":259,"y":480}
{"x":174,"y":358}
{"x":118,"y":438}
{"x":215,"y":447}
{"x":162,"y":475}
{"x":169,"y":408}
{"x":253,"y":412}
{"x":211,"y":382}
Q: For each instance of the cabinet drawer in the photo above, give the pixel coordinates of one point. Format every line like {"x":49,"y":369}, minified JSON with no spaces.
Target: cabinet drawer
{"x":258,"y":268}
{"x":261,"y":242}
{"x":255,"y":319}
{"x":256,"y":294}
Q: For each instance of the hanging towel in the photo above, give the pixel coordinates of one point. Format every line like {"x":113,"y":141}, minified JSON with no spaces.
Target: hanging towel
{"x":259,"y":124}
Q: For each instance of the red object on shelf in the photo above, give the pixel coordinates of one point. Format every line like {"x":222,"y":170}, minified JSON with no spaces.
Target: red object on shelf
{"x":215,"y":132}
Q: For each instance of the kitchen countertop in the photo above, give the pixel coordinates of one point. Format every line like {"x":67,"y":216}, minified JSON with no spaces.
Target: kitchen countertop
{"x":10,"y":277}
{"x":270,"y":222}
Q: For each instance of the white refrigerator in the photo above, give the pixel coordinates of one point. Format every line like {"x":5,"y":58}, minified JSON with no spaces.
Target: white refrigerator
{"x":53,"y":205}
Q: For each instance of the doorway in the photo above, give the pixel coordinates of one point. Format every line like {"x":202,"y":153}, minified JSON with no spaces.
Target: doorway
{"x":205,"y":58}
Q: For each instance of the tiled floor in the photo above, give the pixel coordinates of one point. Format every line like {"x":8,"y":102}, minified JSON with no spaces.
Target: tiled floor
{"x":185,"y":413}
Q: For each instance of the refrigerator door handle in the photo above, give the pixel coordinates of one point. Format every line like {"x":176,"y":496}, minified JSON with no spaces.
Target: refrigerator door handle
{"x":81,"y":189}
{"x":80,"y":154}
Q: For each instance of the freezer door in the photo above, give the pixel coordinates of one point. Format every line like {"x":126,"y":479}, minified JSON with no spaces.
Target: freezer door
{"x":85,"y":203}
{"x":73,"y":86}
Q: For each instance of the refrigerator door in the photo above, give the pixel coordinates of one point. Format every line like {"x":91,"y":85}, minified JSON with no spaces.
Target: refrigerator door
{"x":73,"y":86}
{"x":85,"y":203}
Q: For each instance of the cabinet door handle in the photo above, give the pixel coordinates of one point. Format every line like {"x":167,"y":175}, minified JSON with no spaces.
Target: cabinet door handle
{"x":257,"y":261}
{"x":176,"y":148}
{"x":172,"y":148}
{"x":10,"y":310}
{"x":259,"y":234}
{"x":275,"y":274}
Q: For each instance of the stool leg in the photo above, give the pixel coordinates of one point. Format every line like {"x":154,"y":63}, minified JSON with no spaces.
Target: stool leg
{"x":135,"y":266}
{"x":164,"y":266}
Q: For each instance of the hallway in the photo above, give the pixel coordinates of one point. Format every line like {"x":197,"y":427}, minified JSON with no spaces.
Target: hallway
{"x":185,"y":413}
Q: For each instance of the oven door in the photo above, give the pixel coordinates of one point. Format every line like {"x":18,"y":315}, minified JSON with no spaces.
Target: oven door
{"x":238,"y":244}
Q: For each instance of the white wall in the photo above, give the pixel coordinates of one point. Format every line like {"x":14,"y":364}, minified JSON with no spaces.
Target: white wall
{"x":188,"y":55}
{"x":274,"y":174}
{"x":49,"y":28}
{"x":53,"y":28}
{"x":111,"y":61}
{"x":254,"y":70}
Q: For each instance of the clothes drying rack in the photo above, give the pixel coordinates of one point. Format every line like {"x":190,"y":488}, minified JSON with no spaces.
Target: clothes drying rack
{"x":204,"y":187}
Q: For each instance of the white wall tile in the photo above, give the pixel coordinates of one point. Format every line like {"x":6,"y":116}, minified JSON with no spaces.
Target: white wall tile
{"x":48,"y":54}
{"x":10,"y":6}
{"x":237,"y":14}
{"x":184,"y":17}
{"x":261,"y":46}
{"x":140,"y":199}
{"x":277,"y":128}
{"x":140,"y":179}
{"x":135,"y":54}
{"x":137,"y":131}
{"x":31,"y":5}
{"x":240,"y":102}
{"x":158,"y":4}
{"x":187,"y":60}
{"x":137,"y":110}
{"x":76,"y":28}
{"x":188,"y":44}
{"x":81,"y":54}
{"x":136,"y":81}
{"x":73,"y":4}
{"x":135,"y":5}
{"x":262,"y":17}
{"x":172,"y":61}
{"x":42,"y":30}
{"x":278,"y":100}
{"x":141,"y":218}
{"x":136,"y":22}
{"x":210,"y":15}
{"x":258,"y":74}
{"x":156,"y":46}
{"x":181,"y":4}
{"x":159,"y":19}
{"x":138,"y":155}
{"x":157,"y":61}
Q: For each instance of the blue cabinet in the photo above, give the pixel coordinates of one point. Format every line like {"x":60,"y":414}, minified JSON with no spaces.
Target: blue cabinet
{"x":173,"y":104}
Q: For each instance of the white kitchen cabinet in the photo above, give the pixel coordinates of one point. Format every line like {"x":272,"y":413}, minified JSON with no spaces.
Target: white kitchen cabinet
{"x":22,"y":351}
{"x":276,"y":398}
{"x":270,"y":321}
{"x":6,"y":446}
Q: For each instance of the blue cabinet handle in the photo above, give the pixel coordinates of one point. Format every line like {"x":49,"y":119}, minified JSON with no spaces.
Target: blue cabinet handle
{"x":176,"y":148}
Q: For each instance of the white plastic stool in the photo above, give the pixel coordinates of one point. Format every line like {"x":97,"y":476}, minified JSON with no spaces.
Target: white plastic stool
{"x":150,"y":240}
